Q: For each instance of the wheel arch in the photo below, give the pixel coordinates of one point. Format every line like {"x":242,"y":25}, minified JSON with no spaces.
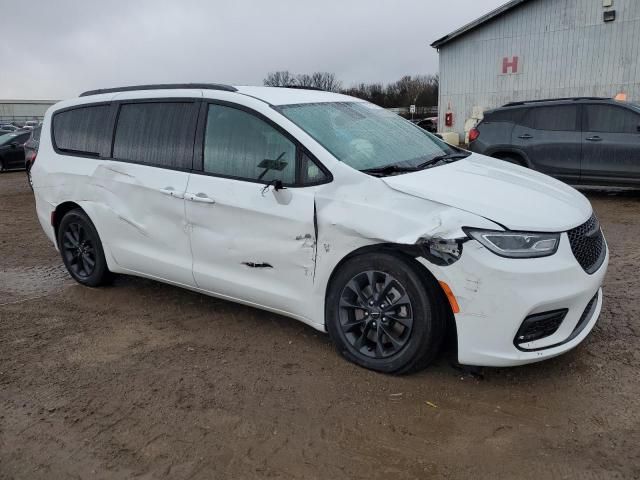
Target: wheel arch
{"x":58,"y":214}
{"x":409,"y":253}
{"x":501,"y":153}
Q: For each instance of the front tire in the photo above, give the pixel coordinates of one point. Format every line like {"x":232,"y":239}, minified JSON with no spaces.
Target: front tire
{"x":81,"y":249}
{"x":383,"y":314}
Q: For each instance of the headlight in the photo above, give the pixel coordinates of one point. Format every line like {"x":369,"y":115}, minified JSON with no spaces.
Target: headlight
{"x":517,"y":244}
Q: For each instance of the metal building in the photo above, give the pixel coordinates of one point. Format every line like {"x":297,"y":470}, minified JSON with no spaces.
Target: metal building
{"x":535,"y":49}
{"x":23,"y":110}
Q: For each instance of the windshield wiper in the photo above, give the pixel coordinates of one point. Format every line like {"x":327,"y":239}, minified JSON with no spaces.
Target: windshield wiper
{"x":388,"y":170}
{"x":446,"y":158}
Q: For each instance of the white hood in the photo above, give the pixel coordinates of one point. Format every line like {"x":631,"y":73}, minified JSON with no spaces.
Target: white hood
{"x":516,"y":197}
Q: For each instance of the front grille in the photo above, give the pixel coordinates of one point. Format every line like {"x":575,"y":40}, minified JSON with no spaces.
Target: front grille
{"x":587,"y":245}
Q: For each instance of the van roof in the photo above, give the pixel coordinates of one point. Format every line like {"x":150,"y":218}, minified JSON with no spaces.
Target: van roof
{"x":270,"y":95}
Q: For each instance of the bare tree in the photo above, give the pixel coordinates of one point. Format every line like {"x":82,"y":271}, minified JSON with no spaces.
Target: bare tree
{"x":419,"y":90}
{"x":304,"y":80}
{"x":326,"y":81}
{"x":279,"y":79}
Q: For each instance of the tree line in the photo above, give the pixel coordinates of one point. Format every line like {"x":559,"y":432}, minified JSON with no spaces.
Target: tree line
{"x":419,"y":90}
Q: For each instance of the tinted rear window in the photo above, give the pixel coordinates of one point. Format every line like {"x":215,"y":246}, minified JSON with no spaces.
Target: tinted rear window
{"x":159,"y":134}
{"x":82,"y":130}
{"x":561,"y":118}
{"x":508,"y":116}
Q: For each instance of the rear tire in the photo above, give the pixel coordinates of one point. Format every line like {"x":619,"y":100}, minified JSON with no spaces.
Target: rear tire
{"x":383,"y":314}
{"x":29,"y":179}
{"x":81,"y":249}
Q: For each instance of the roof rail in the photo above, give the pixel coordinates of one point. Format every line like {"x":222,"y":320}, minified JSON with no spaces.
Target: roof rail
{"x":162,"y":86}
{"x":568,"y":99}
{"x":302,"y":87}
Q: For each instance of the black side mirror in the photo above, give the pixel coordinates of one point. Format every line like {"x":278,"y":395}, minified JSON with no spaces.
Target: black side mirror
{"x":13,"y":145}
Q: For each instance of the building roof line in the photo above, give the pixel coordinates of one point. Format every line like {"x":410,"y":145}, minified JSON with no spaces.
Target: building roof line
{"x":478,"y":22}
{"x":29,"y":102}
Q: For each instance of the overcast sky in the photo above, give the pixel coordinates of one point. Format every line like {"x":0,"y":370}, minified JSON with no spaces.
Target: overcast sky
{"x":54,"y":49}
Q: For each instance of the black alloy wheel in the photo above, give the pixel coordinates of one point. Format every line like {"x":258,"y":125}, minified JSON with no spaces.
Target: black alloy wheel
{"x":81,"y":249}
{"x":376,"y":315}
{"x":385,"y":312}
{"x":78,"y":250}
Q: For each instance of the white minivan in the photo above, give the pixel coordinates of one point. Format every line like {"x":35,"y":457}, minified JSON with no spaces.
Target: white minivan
{"x":324,"y":208}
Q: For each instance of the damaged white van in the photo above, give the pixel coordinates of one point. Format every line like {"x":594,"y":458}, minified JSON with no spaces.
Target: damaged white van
{"x":324,"y":208}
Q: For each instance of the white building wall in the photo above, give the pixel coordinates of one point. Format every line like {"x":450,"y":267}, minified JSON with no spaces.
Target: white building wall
{"x":565,"y":49}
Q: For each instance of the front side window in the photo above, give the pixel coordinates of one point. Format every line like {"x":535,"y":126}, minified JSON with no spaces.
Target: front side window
{"x":82,"y":130}
{"x":159,"y":134}
{"x":611,"y":119}
{"x":240,"y":145}
{"x":562,"y":118}
{"x":365,"y":136}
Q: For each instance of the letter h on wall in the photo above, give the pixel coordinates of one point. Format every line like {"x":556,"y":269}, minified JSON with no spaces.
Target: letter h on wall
{"x":510,"y":65}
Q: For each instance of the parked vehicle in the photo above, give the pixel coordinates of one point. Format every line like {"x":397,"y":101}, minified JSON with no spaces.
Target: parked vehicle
{"x":429,"y":124}
{"x":581,"y":141}
{"x":324,"y":208}
{"x":7,"y":128}
{"x":12,"y":150}
{"x":31,"y":151}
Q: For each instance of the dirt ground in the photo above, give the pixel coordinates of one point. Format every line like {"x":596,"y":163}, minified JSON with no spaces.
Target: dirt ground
{"x":145,"y":380}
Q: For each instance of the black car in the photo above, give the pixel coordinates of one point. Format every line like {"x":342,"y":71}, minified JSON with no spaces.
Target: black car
{"x":582,"y":141}
{"x":429,"y":124}
{"x":12,"y":150}
{"x":7,"y":128}
{"x":31,"y":150}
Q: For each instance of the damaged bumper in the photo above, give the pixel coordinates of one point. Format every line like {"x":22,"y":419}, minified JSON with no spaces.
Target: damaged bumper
{"x":497,"y":294}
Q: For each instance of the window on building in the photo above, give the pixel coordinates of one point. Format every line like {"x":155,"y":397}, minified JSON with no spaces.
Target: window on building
{"x":561,"y":118}
{"x":82,"y":130}
{"x":240,"y":145}
{"x":159,"y":134}
{"x":611,"y":119}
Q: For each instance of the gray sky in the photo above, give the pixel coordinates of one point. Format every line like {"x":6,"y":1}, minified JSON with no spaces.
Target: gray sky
{"x":58,"y":48}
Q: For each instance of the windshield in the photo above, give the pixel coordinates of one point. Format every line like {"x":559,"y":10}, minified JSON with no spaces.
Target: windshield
{"x":365,"y":136}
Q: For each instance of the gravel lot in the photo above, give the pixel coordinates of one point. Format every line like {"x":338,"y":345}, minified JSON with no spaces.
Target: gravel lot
{"x":145,"y":380}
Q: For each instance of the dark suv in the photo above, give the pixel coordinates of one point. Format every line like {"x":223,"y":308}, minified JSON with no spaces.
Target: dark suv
{"x":582,"y":141}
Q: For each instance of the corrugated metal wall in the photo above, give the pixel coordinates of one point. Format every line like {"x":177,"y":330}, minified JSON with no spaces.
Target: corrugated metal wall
{"x":21,"y":110}
{"x":564,"y":49}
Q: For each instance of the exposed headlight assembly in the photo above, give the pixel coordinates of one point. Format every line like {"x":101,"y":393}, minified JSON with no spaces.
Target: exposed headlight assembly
{"x":517,"y":244}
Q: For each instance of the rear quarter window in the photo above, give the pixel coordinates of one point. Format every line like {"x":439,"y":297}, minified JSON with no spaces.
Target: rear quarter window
{"x":83,"y":130}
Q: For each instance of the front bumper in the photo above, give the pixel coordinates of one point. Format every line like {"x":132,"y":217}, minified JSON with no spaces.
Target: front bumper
{"x":496,"y":294}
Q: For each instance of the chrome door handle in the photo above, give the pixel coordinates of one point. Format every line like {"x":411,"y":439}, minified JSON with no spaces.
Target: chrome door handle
{"x":595,"y":138}
{"x":199,"y":198}
{"x":171,"y":192}
{"x":526,"y":136}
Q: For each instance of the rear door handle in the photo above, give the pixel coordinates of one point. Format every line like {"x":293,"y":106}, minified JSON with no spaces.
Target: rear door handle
{"x":595,"y":139}
{"x":199,"y":198}
{"x":171,"y":192}
{"x":526,"y":136}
